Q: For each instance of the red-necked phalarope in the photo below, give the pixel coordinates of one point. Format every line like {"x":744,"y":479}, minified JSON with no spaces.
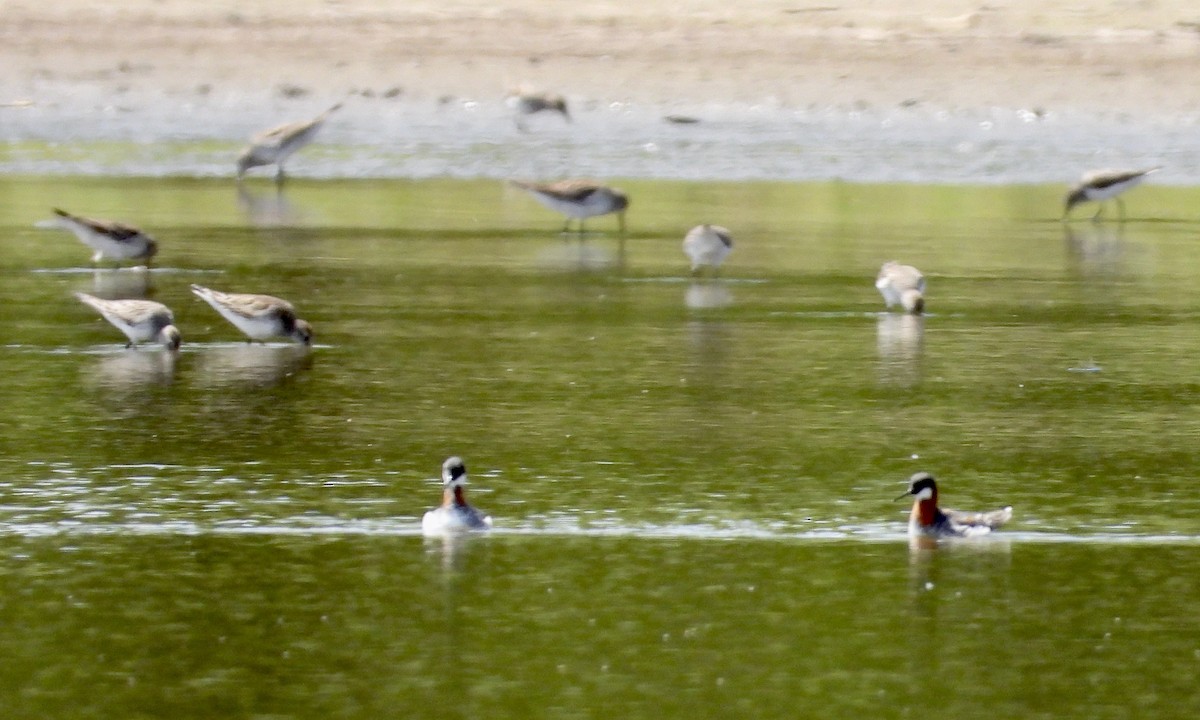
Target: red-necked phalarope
{"x":260,"y":317}
{"x":707,"y":245}
{"x":1101,"y":185}
{"x":454,"y":514}
{"x":902,"y":285}
{"x":579,"y":199}
{"x":928,"y":520}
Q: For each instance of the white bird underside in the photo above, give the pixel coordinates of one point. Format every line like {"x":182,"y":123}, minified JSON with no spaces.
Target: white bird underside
{"x":707,"y":245}
{"x":454,"y":519}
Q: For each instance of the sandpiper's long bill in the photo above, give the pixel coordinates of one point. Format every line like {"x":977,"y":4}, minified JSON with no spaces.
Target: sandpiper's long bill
{"x":140,"y":320}
{"x":929,"y":520}
{"x":578,"y":199}
{"x":260,"y":317}
{"x":1100,"y":185}
{"x":902,"y":285}
{"x":111,"y":240}
{"x":707,"y":245}
{"x":274,"y":146}
{"x":454,"y":515}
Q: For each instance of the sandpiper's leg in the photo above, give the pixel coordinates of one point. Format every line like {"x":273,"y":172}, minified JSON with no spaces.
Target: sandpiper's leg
{"x":566,"y":226}
{"x":1099,"y":212}
{"x":1121,"y":208}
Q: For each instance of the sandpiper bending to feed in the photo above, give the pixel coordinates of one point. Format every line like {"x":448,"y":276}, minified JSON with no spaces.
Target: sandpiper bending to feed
{"x":707,"y":245}
{"x":260,"y":317}
{"x":274,"y":146}
{"x":527,"y":102}
{"x":928,"y":520}
{"x":454,"y":514}
{"x":578,"y":199}
{"x":140,"y":320}
{"x":1100,"y":185}
{"x":112,"y":240}
{"x":902,"y":285}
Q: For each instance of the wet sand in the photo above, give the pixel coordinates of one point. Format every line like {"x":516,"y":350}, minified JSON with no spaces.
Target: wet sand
{"x":217,"y":69}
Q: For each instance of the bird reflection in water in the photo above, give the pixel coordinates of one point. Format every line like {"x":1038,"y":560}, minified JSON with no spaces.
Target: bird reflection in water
{"x":133,"y":371}
{"x":122,"y":283}
{"x":268,"y":209}
{"x":246,"y":365}
{"x":704,"y":294}
{"x":900,"y":340}
{"x":1095,"y":250}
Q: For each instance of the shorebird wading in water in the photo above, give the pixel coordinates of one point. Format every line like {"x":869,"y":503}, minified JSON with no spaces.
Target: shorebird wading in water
{"x":527,"y":102}
{"x":140,"y":320}
{"x":929,"y":520}
{"x":260,"y":317}
{"x":1100,"y":185}
{"x":902,"y":285}
{"x":112,"y":240}
{"x":578,"y":199}
{"x":274,"y":146}
{"x":454,"y":515}
{"x":707,"y":245}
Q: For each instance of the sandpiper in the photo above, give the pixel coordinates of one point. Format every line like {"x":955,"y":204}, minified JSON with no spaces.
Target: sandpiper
{"x":528,"y":102}
{"x":140,"y":320}
{"x":260,"y":317}
{"x":1100,"y":185}
{"x":274,"y":146}
{"x":902,"y":285}
{"x":707,"y":245}
{"x":928,"y":520}
{"x":578,"y":199}
{"x":113,"y":240}
{"x":454,"y":514}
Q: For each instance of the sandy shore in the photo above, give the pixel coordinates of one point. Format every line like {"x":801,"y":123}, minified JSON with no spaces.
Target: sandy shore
{"x":1104,"y":56}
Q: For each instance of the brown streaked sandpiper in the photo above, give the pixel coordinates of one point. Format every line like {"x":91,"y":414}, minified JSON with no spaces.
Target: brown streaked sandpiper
{"x":578,"y":199}
{"x":140,"y":320}
{"x":260,"y":317}
{"x":707,"y":245}
{"x":112,"y":240}
{"x":902,"y":285}
{"x":1100,"y":185}
{"x":274,"y":146}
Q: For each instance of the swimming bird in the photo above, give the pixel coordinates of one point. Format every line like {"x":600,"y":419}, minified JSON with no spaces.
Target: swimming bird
{"x":707,"y":245}
{"x":902,"y":285}
{"x":527,"y":102}
{"x":1101,"y":185}
{"x":454,"y":514}
{"x":140,"y":320}
{"x":112,"y":240}
{"x":260,"y":317}
{"x":928,"y":520}
{"x":578,"y":199}
{"x":274,"y":146}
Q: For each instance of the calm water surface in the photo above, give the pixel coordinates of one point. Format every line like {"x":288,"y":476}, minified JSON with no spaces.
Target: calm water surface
{"x":693,"y":481}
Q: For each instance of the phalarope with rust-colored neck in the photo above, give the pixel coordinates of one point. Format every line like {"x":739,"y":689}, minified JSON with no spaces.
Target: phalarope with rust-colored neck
{"x":454,"y":515}
{"x":929,"y":520}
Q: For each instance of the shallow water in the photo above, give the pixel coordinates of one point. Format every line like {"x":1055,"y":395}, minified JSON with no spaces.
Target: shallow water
{"x":478,"y":138}
{"x":693,"y":481}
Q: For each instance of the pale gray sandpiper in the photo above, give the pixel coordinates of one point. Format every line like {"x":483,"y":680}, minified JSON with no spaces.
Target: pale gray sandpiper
{"x":929,"y":520}
{"x":111,"y":240}
{"x":260,"y":317}
{"x":274,"y":146}
{"x":1100,"y":185}
{"x":527,"y":102}
{"x":140,"y":320}
{"x":578,"y":199}
{"x":707,"y":245}
{"x":454,"y":515}
{"x":902,"y":285}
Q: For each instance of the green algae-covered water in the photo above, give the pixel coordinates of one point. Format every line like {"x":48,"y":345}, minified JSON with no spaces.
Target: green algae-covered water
{"x":693,"y":481}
